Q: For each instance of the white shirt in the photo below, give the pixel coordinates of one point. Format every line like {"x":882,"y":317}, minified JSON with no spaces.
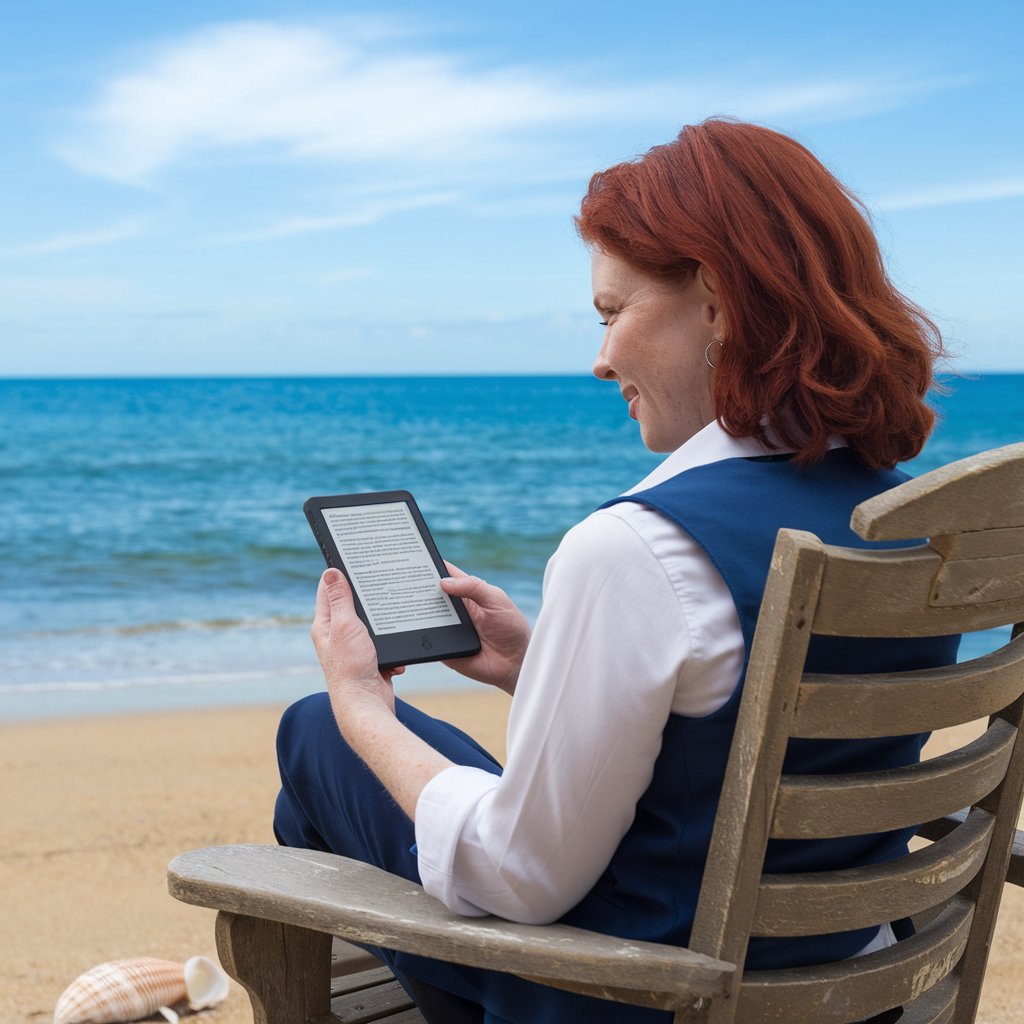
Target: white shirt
{"x":636,"y":624}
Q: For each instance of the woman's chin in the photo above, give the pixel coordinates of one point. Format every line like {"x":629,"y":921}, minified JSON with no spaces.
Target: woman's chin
{"x":654,"y":442}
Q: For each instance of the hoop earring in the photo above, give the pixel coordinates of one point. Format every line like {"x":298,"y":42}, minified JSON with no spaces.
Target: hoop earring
{"x":707,"y":358}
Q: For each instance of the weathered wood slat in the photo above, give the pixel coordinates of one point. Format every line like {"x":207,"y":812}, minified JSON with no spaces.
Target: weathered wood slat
{"x":412,"y":1016}
{"x":867,"y":593}
{"x":984,"y":544}
{"x":863,"y":986}
{"x":349,"y":959}
{"x":360,"y":980}
{"x":343,"y":897}
{"x":936,"y":1006}
{"x":943,"y":826}
{"x":982,"y":492}
{"x":986,"y":890}
{"x":896,"y":704}
{"x":376,"y":1003}
{"x":408,"y":1016}
{"x":801,"y":904}
{"x":978,"y":581}
{"x":859,"y":803}
{"x":363,"y":989}
{"x":729,"y":887}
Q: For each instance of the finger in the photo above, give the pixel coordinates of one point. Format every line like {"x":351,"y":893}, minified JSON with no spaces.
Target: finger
{"x":339,"y":593}
{"x":322,"y":615}
{"x":344,"y":624}
{"x":453,"y":569}
{"x":476,"y":589}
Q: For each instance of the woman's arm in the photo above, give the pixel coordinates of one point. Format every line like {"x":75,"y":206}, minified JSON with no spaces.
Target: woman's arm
{"x":363,"y":699}
{"x":594,"y":694}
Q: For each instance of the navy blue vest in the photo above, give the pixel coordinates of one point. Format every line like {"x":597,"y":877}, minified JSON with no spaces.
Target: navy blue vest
{"x":733,"y":509}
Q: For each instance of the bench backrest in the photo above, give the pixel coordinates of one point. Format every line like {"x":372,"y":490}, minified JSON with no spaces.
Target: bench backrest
{"x":968,"y":576}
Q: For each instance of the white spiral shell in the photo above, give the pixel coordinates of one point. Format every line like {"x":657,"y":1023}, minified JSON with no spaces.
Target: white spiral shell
{"x":126,"y":990}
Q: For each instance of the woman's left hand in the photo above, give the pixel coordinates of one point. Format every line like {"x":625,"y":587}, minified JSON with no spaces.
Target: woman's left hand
{"x":346,"y":652}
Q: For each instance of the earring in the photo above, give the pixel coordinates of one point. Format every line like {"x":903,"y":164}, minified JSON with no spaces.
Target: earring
{"x":707,"y":358}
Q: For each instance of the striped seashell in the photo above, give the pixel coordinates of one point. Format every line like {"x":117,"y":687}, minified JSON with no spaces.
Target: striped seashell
{"x":127,"y":990}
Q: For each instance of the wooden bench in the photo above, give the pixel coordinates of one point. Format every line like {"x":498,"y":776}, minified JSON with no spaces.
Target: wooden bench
{"x":279,"y":908}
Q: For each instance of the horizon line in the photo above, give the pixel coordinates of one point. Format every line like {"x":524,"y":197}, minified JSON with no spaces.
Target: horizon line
{"x":369,"y":375}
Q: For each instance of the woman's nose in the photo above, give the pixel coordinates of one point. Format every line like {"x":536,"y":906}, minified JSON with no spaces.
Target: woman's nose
{"x":602,"y":369}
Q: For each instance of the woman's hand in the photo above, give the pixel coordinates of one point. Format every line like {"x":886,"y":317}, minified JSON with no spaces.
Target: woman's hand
{"x":347,"y":655}
{"x":363,"y":699}
{"x":504,"y":631}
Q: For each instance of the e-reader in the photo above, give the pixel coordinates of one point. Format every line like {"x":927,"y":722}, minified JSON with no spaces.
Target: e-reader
{"x":381,"y":543}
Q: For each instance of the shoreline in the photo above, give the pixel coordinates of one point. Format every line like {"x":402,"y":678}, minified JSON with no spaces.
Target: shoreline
{"x":89,"y":700}
{"x":96,"y":807}
{"x":93,"y":698}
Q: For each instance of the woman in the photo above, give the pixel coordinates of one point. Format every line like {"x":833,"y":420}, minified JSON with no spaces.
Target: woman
{"x":751,"y":329}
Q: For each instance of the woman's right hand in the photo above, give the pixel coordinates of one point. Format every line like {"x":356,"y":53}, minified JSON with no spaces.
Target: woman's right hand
{"x":504,"y":631}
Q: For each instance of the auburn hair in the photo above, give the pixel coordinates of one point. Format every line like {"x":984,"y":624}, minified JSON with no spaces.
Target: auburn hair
{"x":817,"y":341}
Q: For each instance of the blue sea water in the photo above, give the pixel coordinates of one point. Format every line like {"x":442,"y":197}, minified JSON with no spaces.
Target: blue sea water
{"x":153,"y":549}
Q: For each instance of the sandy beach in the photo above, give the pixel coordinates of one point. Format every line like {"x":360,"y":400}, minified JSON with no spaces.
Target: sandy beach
{"x":93,"y":810}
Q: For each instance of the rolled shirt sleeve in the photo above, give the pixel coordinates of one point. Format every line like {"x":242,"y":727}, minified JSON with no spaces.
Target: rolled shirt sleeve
{"x":585,"y":729}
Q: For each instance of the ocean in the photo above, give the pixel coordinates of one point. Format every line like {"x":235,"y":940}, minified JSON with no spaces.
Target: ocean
{"x":154,"y":552}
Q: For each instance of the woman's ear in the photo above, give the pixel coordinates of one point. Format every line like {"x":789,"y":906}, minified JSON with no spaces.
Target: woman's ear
{"x":713,"y":314}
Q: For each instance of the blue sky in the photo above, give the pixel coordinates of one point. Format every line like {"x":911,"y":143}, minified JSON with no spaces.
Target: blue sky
{"x":289,"y":188}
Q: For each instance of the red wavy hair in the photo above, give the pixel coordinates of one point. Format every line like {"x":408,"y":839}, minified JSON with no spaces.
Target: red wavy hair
{"x":818,"y":341}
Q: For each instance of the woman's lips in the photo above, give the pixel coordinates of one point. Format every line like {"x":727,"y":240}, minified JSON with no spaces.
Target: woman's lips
{"x":632,"y":397}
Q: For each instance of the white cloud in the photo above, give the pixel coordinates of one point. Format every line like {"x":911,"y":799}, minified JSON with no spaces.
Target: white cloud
{"x":367,"y":213}
{"x":78,"y":240}
{"x":362,"y":94}
{"x":951,"y":194}
{"x":309,"y":93}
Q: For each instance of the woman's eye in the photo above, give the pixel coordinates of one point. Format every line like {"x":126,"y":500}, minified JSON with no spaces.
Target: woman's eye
{"x":603,"y":323}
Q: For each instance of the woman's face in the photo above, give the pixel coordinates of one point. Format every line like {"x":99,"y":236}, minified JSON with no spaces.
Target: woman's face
{"x":654,"y":341}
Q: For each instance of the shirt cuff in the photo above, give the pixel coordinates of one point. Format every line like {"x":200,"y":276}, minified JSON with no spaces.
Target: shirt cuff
{"x":444,"y":805}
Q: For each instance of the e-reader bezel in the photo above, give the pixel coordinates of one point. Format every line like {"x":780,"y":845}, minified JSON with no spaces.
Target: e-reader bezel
{"x":408,"y":647}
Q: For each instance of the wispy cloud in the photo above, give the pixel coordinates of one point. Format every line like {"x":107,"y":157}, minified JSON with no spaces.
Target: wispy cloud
{"x":310,"y":93}
{"x":340,"y":276}
{"x":78,"y":240}
{"x":360,"y":216}
{"x":56,"y":296}
{"x":363,"y":94}
{"x":842,"y":97}
{"x":951,"y":194}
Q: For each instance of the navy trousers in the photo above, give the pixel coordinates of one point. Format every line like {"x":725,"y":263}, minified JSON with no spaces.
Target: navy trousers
{"x":331,"y":801}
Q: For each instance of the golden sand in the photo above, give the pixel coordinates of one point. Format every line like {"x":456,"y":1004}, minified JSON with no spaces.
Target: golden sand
{"x":93,"y":809}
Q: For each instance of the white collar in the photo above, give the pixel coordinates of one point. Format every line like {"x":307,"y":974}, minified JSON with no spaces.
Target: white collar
{"x":713,"y":444}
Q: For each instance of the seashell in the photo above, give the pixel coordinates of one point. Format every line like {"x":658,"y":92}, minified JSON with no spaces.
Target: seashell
{"x":205,"y":982}
{"x":126,"y":990}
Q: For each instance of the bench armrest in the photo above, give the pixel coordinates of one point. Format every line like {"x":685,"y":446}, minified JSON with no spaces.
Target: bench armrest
{"x":326,"y":893}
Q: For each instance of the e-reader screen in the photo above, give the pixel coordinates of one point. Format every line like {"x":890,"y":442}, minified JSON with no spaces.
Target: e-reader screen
{"x":381,"y":543}
{"x":389,"y":566}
